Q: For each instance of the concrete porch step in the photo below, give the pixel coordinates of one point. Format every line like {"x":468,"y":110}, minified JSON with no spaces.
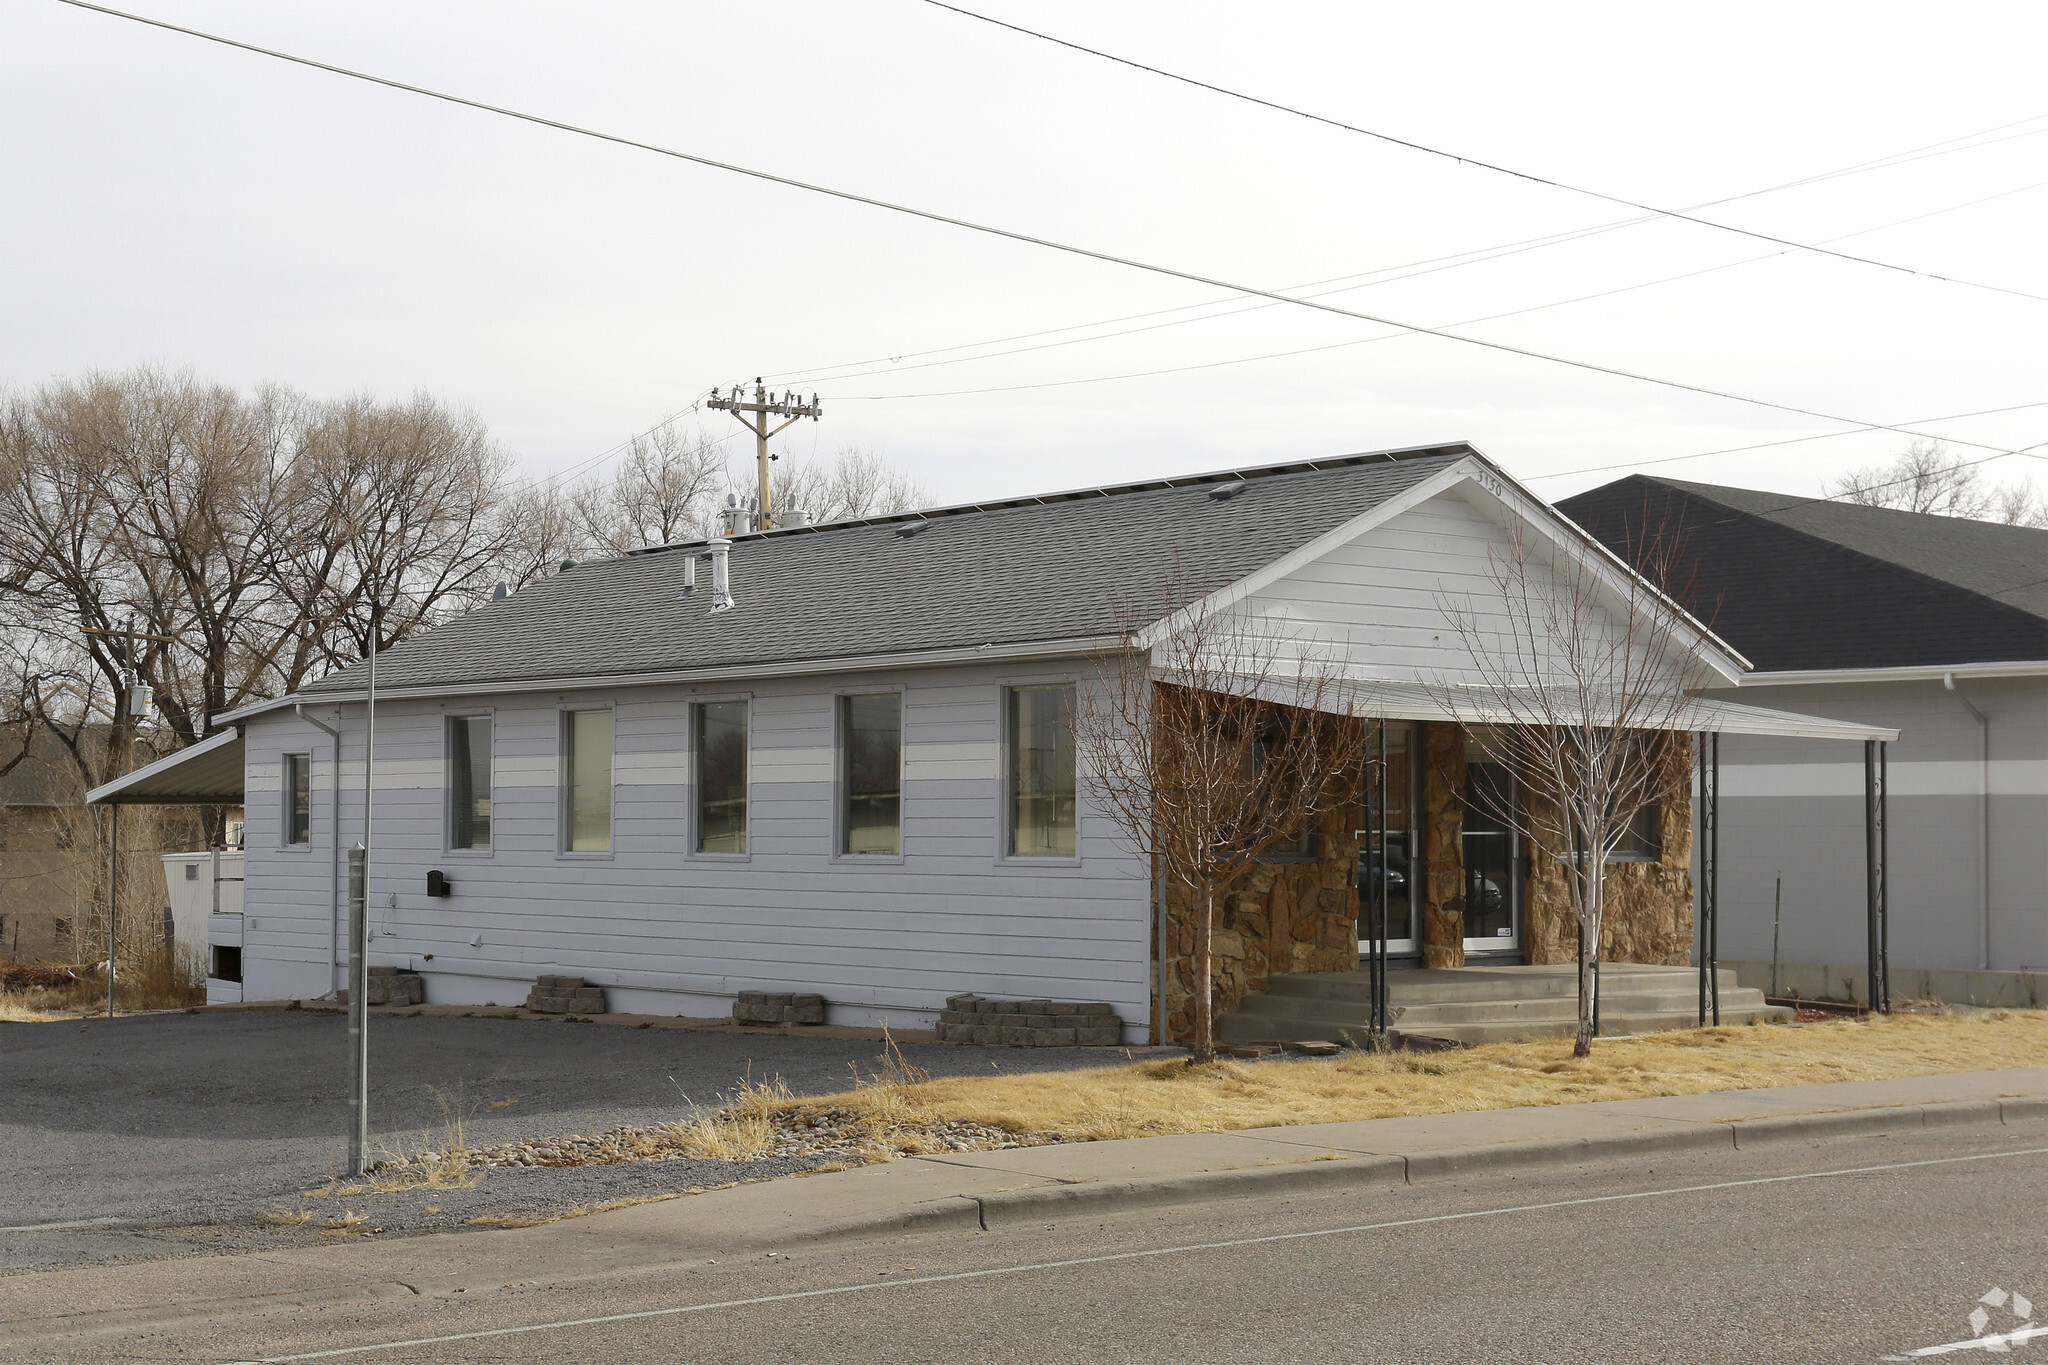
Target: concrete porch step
{"x":1485,"y":1004}
{"x":1421,"y":986}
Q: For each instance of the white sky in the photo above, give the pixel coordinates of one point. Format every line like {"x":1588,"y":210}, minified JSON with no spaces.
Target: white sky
{"x":172,"y":201}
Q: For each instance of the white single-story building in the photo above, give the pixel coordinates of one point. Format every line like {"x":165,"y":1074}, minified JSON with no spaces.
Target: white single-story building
{"x":859,"y":777}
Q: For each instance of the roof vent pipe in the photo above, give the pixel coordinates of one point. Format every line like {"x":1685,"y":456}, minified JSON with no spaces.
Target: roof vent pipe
{"x":690,"y":573}
{"x":721,"y":576}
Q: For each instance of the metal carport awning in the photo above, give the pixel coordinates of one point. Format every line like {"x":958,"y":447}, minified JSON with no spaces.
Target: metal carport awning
{"x":1707,"y":717}
{"x":207,"y":774}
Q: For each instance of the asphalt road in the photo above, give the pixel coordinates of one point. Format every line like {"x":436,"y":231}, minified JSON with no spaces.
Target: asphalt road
{"x":1865,"y":1255}
{"x":190,"y":1127}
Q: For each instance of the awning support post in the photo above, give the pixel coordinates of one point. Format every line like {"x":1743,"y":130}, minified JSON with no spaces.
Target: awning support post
{"x":1707,"y":895}
{"x":1874,"y":856}
{"x":1376,"y":912}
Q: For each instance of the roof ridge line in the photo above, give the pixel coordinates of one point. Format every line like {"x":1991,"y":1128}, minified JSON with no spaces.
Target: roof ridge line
{"x":1246,"y":472}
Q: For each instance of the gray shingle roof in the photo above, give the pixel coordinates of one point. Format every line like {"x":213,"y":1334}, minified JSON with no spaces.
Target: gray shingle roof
{"x":1027,"y":570}
{"x":1797,"y":583}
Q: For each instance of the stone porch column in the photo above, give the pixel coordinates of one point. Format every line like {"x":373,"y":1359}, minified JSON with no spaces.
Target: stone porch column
{"x":1443,"y":845}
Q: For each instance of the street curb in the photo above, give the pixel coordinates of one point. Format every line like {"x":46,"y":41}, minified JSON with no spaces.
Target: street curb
{"x":1327,"y":1171}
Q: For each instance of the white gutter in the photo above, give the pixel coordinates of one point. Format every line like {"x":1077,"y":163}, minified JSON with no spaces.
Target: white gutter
{"x":1983,"y":824}
{"x":966,"y":654}
{"x":1911,"y":673}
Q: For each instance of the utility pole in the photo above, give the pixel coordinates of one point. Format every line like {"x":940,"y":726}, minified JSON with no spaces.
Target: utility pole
{"x":139,"y":696}
{"x":756,"y":417}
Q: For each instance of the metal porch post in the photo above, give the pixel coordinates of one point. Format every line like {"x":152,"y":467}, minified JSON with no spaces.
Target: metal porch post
{"x":1376,"y":914}
{"x":1874,"y":852}
{"x":1708,"y":893}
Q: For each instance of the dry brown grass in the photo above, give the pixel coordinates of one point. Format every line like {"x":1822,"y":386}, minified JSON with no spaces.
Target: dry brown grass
{"x":1158,"y":1097}
{"x":441,"y":1162}
{"x":740,"y":1131}
{"x":161,"y":977}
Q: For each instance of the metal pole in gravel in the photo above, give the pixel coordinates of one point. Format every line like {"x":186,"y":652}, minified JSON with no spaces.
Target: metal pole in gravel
{"x":359,"y":935}
{"x":358,"y":1013}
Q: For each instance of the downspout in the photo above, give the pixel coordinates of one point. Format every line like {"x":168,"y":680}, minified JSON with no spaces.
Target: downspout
{"x":1948,"y":680}
{"x":334,"y":862}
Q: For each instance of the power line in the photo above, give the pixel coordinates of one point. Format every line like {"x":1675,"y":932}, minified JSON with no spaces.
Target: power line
{"x":1476,"y":256}
{"x":1793,"y":441}
{"x":1529,"y":176}
{"x":1338,"y":345}
{"x":1591,"y":367}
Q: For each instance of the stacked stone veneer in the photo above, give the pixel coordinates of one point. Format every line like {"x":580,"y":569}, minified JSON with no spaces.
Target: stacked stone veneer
{"x":1648,"y":912}
{"x":778,"y":1007}
{"x":1029,"y":1023}
{"x":390,"y":986}
{"x":565,"y":995}
{"x":1281,"y":917}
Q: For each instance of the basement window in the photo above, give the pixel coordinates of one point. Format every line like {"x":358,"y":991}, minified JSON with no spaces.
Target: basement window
{"x":227,"y":963}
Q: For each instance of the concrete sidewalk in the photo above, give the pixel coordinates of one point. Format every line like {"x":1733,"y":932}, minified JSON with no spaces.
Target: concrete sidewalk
{"x":975,"y":1192}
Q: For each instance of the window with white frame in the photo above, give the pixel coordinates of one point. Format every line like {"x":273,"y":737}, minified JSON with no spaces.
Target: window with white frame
{"x":469,"y":782}
{"x":871,"y":800}
{"x":722,"y":777}
{"x":587,"y":780}
{"x":1039,"y":723}
{"x":298,"y":799}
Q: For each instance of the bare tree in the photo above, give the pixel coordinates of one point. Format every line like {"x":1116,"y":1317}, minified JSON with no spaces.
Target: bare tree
{"x":1927,"y":478}
{"x":666,"y":488}
{"x":1209,"y":745}
{"x":856,"y":483}
{"x":1583,"y":672}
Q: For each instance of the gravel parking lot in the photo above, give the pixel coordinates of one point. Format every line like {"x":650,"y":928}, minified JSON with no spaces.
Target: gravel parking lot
{"x":185,"y":1131}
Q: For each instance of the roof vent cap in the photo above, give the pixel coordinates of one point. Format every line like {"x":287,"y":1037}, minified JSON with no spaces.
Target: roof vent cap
{"x":910,"y":528}
{"x":1224,"y":492}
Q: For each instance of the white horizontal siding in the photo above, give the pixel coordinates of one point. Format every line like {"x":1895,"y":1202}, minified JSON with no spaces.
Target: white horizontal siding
{"x":1377,"y":604}
{"x":899,"y":934}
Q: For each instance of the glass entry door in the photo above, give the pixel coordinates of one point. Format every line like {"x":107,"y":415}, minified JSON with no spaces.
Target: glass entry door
{"x":1390,"y":845}
{"x":1493,"y":857}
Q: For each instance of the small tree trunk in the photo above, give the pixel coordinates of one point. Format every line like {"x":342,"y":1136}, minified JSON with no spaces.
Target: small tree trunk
{"x":1205,"y":983}
{"x":1590,"y":883}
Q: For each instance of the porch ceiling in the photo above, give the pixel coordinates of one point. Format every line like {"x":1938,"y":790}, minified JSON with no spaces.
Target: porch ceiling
{"x":1390,"y":700}
{"x":207,"y":774}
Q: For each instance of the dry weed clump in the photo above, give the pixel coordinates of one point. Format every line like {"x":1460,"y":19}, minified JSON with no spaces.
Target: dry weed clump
{"x":161,"y":976}
{"x":1159,"y":1097}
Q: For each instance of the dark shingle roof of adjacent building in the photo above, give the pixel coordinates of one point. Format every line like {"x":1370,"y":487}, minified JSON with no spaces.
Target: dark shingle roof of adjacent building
{"x":1060,"y":567}
{"x":1802,"y":584}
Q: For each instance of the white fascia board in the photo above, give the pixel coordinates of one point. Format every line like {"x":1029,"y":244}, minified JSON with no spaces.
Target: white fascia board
{"x":1039,"y":649}
{"x":1910,"y":673}
{"x":258,"y":708}
{"x":1510,"y":499}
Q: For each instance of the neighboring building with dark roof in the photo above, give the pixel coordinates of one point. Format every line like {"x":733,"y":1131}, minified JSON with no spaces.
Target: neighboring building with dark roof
{"x":1935,"y":625}
{"x":857,"y":777}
